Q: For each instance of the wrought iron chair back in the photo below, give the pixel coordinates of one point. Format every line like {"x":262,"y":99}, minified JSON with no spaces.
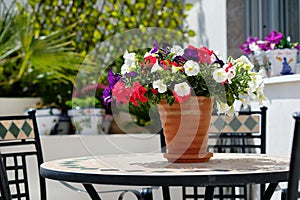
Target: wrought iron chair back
{"x":292,"y":192}
{"x":19,"y":140}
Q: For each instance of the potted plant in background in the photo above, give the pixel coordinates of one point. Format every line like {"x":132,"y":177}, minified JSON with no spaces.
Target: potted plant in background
{"x":185,"y":84}
{"x":282,"y":53}
{"x":32,"y":64}
{"x":255,"y":49}
{"x":87,"y":111}
{"x":276,"y":54}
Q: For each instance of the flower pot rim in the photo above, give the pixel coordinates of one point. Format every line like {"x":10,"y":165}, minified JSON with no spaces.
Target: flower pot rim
{"x":203,"y":98}
{"x":285,"y":49}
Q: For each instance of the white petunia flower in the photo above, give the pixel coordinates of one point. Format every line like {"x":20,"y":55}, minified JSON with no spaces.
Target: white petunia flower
{"x":220,"y":75}
{"x":260,"y":97}
{"x":129,"y":63}
{"x":191,"y":68}
{"x":245,"y":102}
{"x":129,"y":57}
{"x":126,"y":68}
{"x":243,"y":59}
{"x":177,"y":50}
{"x":230,"y":72}
{"x":222,"y":107}
{"x":182,"y":89}
{"x":231,"y":111}
{"x":158,"y":84}
{"x":254,"y":47}
{"x":255,"y":82}
{"x":245,"y":62}
{"x":156,"y":67}
{"x":226,"y":109}
{"x":149,"y":54}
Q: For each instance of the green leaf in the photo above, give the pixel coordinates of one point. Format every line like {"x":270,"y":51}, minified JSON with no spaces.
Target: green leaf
{"x":188,"y":6}
{"x":191,"y":33}
{"x":97,"y":34}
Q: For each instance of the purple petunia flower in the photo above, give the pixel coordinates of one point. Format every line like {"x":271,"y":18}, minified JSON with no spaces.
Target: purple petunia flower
{"x":190,"y":54}
{"x":132,"y":74}
{"x":113,"y":78}
{"x":166,"y":47}
{"x":179,"y":59}
{"x":107,"y":96}
{"x":107,"y":93}
{"x":155,"y":47}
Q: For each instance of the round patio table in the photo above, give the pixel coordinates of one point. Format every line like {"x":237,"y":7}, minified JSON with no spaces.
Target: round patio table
{"x":152,"y":169}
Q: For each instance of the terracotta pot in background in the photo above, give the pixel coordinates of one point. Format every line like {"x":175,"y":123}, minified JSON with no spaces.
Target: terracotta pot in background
{"x":185,"y":127}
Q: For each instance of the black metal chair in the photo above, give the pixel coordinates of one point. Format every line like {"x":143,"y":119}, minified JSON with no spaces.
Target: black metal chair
{"x":244,"y":133}
{"x":292,"y":192}
{"x":4,"y":187}
{"x":21,"y":133}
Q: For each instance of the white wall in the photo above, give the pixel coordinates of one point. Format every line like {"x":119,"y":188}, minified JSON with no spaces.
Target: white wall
{"x":283,"y":92}
{"x":17,"y":106}
{"x":208,"y":19}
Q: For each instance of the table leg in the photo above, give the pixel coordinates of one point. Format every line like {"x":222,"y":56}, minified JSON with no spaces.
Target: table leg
{"x":92,"y":192}
{"x":209,"y":192}
{"x":269,"y":191}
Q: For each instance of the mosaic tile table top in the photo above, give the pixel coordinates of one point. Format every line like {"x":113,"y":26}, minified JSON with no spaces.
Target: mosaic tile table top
{"x":153,"y":164}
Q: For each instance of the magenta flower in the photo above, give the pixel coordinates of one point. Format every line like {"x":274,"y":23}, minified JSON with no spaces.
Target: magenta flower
{"x":263,"y":45}
{"x":246,"y":46}
{"x":274,"y":37}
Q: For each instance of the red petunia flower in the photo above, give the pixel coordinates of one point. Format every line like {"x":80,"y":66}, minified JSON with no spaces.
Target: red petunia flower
{"x":174,"y":64}
{"x":181,"y":99}
{"x":138,"y":93}
{"x":165,"y":64}
{"x":150,"y":60}
{"x":121,"y":93}
{"x":154,"y":91}
{"x":203,"y":53}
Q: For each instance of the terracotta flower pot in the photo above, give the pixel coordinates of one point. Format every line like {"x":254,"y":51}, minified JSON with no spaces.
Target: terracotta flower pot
{"x":185,"y":127}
